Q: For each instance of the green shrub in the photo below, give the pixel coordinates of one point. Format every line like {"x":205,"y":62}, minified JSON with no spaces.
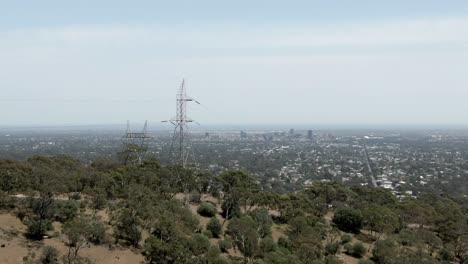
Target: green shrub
{"x":207,"y":233}
{"x":346,"y":238}
{"x":215,"y":227}
{"x":199,"y":244}
{"x":267,"y":245}
{"x":99,"y":200}
{"x":6,"y":201}
{"x":49,"y":255}
{"x":97,"y":232}
{"x":284,"y":242}
{"x":359,"y":250}
{"x":332,"y":260}
{"x":348,"y":247}
{"x":128,"y":229}
{"x":213,"y":255}
{"x":66,"y":210}
{"x":225,"y":245}
{"x":332,"y":248}
{"x":447,"y":253}
{"x":195,"y":197}
{"x":348,"y":219}
{"x":207,"y":210}
{"x":83,"y":205}
{"x":38,"y":228}
{"x":384,"y":251}
{"x":407,"y":237}
{"x":21,"y":214}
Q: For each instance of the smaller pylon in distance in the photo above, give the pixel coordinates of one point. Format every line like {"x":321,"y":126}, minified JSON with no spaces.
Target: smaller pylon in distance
{"x":135,"y":145}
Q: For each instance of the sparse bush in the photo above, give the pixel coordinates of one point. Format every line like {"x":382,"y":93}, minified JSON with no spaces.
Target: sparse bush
{"x":83,"y":205}
{"x":384,"y":251}
{"x":213,"y":255}
{"x":199,"y":244}
{"x":348,"y":247}
{"x":215,"y":227}
{"x":359,"y":250}
{"x":263,"y":220}
{"x":37,"y":228}
{"x":99,"y":200}
{"x":49,"y":255}
{"x":365,"y":261}
{"x":66,"y":210}
{"x":447,"y":253}
{"x":407,"y":237}
{"x":75,"y":196}
{"x":6,"y":201}
{"x":195,"y":197}
{"x":267,"y":245}
{"x":284,"y":242}
{"x":128,"y":229}
{"x":346,"y":238}
{"x":332,"y":260}
{"x":207,"y":233}
{"x":207,"y":210}
{"x":21,"y":214}
{"x":97,"y":232}
{"x":76,"y":232}
{"x":225,"y":245}
{"x":332,"y":248}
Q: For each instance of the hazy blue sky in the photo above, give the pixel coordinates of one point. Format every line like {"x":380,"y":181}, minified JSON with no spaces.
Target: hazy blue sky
{"x":248,"y":62}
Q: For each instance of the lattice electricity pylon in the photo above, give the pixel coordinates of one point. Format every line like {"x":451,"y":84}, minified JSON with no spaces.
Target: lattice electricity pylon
{"x":181,"y":145}
{"x":135,"y":145}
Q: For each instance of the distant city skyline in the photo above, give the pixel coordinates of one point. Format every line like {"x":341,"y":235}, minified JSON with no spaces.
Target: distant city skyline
{"x":328,"y":63}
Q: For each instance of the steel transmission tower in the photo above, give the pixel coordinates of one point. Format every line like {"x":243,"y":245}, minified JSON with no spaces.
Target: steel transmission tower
{"x":181,"y":146}
{"x":135,"y":145}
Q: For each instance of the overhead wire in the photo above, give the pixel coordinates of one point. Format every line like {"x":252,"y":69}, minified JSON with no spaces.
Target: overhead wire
{"x":78,"y":100}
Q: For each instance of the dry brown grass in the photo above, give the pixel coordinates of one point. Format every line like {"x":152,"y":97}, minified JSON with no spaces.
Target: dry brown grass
{"x":16,"y":246}
{"x":348,"y":259}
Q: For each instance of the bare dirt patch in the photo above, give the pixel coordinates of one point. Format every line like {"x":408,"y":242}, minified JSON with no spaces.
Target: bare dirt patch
{"x":278,"y":231}
{"x":16,"y":247}
{"x":9,"y":222}
{"x":13,"y":245}
{"x":348,"y":259}
{"x":99,"y":254}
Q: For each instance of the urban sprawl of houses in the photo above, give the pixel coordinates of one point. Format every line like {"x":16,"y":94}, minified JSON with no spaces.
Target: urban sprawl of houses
{"x":404,"y":162}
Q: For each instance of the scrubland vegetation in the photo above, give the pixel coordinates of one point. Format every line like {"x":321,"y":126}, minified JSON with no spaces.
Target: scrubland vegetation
{"x":68,"y":212}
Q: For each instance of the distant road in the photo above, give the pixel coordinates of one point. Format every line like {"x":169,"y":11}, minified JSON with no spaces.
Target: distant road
{"x":23,"y":196}
{"x":374,"y":182}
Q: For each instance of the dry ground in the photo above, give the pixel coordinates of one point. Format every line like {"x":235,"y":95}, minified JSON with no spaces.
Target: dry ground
{"x":16,"y":247}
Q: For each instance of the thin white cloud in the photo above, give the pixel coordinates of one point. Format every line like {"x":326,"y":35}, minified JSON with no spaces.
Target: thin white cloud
{"x":423,"y":31}
{"x":360,"y":83}
{"x":383,"y":33}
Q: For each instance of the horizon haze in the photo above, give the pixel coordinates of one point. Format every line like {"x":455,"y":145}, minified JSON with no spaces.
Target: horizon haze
{"x":253,"y":63}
